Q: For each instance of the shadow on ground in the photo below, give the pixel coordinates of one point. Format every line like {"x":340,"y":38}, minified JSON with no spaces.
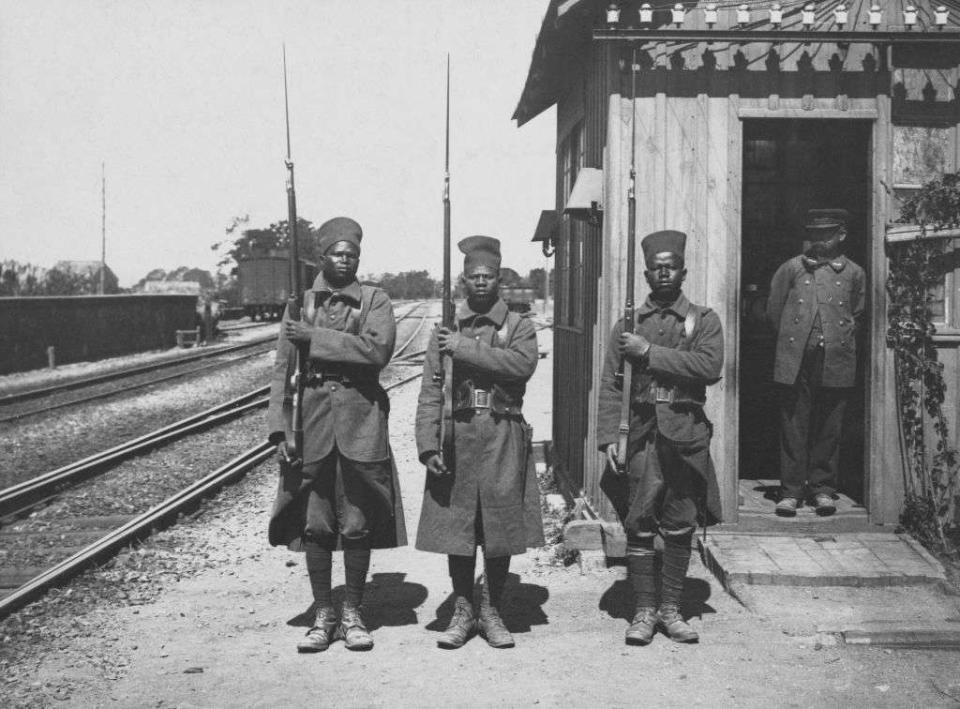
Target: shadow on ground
{"x":388,"y":600}
{"x":522,"y":606}
{"x":617,"y":600}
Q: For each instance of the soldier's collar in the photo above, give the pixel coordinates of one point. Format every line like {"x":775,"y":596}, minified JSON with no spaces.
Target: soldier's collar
{"x":679,"y":307}
{"x":837,"y":263}
{"x":324,"y":290}
{"x":496,"y":315}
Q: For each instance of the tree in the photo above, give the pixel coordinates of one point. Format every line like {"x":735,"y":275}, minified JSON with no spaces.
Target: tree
{"x":409,"y":285}
{"x":272,"y":240}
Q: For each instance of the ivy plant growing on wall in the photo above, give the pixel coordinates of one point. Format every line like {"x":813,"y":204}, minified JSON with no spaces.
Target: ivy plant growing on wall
{"x":917,"y":268}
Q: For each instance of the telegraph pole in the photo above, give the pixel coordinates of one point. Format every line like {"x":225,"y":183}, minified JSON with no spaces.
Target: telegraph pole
{"x":103,"y":227}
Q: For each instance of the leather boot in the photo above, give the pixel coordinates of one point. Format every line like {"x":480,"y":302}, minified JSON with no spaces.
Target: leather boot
{"x":491,"y":624}
{"x":352,"y":631}
{"x":675,"y":626}
{"x":319,"y":636}
{"x":643,"y":627}
{"x":463,"y":626}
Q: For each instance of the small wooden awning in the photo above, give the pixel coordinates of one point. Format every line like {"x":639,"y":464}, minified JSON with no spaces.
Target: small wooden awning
{"x":547,"y":225}
{"x":586,"y":197}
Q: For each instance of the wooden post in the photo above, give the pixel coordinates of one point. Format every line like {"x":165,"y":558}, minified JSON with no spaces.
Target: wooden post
{"x":51,"y":357}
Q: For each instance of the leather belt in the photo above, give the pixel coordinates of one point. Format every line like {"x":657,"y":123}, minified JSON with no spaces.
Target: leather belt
{"x":317,"y":378}
{"x":672,"y":394}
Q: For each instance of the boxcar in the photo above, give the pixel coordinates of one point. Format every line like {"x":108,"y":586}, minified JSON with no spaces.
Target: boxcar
{"x":265,"y":283}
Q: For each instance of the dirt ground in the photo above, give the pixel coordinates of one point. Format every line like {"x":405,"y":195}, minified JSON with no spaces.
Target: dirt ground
{"x":221,"y":632}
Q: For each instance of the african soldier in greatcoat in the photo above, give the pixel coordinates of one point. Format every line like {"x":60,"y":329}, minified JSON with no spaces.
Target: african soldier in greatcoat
{"x":676,"y":350}
{"x":816,"y":307}
{"x":343,"y":492}
{"x":487,"y":494}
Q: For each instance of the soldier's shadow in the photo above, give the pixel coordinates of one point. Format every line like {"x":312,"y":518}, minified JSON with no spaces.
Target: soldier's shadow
{"x":522,"y":606}
{"x":387,"y":601}
{"x":617,"y":600}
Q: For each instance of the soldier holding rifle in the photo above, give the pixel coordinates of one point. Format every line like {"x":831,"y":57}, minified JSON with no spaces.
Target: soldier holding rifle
{"x":675,"y":349}
{"x":341,"y":491}
{"x":481,"y":491}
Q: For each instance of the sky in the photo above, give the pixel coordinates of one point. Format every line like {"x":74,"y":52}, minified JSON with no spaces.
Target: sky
{"x":182,"y":101}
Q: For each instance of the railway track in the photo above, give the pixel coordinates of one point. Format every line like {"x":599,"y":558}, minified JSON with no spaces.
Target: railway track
{"x":260,"y":345}
{"x":19,"y":499}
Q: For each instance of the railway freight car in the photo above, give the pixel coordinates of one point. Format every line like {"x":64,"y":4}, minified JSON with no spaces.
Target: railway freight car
{"x":515,"y":292}
{"x":265,"y":284}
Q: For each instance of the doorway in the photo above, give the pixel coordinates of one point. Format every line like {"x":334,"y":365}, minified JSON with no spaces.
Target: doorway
{"x":790,"y":166}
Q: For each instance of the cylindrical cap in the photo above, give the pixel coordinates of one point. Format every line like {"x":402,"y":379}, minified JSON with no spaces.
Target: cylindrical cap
{"x":338,"y":229}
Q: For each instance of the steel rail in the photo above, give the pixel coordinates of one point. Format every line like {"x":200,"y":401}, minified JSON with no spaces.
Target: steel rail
{"x":130,"y":387}
{"x":138,"y":527}
{"x":398,"y":352}
{"x":27,"y":494}
{"x":16,"y":498}
{"x":128,"y":372}
{"x":143,"y":525}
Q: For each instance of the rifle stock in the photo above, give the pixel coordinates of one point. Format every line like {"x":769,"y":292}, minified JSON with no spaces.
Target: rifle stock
{"x":623,"y":429}
{"x":446,"y":361}
{"x":295,"y":298}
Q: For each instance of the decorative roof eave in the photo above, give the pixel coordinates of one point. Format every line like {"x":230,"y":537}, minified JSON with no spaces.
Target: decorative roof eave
{"x":897,"y":233}
{"x":772,"y":35}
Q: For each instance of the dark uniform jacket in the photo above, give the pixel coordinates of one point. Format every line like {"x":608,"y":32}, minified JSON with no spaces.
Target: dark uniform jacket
{"x":827,"y":300}
{"x":669,"y":389}
{"x":344,"y":405}
{"x":492,"y":470}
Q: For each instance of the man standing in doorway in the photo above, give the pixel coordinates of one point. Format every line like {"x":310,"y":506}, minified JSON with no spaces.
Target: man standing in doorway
{"x":342,"y":492}
{"x":485,"y":494}
{"x":816,"y":307}
{"x":676,"y":351}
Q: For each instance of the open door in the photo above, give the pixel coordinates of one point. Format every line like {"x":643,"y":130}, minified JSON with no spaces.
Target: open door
{"x":790,"y":166}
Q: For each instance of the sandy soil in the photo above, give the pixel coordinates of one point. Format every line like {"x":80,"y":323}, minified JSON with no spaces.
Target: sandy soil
{"x":220,"y":613}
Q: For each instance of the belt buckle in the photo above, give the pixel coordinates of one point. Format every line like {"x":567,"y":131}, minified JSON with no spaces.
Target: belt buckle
{"x":481,"y":399}
{"x":664,"y":395}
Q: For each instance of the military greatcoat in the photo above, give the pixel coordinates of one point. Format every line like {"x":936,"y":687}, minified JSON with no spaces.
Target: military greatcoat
{"x":491,"y":495}
{"x":667,"y":395}
{"x":801,"y":293}
{"x":344,"y":405}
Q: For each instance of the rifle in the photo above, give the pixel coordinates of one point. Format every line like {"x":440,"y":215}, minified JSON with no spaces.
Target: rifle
{"x":295,"y":298}
{"x":626,"y":375}
{"x":446,"y":360}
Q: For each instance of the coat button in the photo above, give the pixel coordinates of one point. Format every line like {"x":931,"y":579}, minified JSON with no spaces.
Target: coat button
{"x":661,"y":332}
{"x":800,"y":301}
{"x":796,"y":319}
{"x":333,"y":387}
{"x":838,"y":283}
{"x":792,"y":339}
{"x":839,"y":302}
{"x":806,"y":282}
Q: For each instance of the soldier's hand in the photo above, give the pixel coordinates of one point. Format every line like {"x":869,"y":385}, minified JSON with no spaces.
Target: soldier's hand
{"x":447,"y":339}
{"x":435,"y":465}
{"x":297,"y":331}
{"x":633,"y":345}
{"x":283,"y":453}
{"x":611,"y":450}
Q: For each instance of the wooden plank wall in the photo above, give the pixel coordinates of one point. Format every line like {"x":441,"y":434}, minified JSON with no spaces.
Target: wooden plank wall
{"x":688,"y":122}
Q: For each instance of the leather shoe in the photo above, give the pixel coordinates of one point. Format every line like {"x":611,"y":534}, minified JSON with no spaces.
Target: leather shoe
{"x":824,"y":504}
{"x":352,"y":630}
{"x":493,"y":630}
{"x":463,"y":626}
{"x":787,"y":507}
{"x":642,"y":628}
{"x":675,"y":626}
{"x":319,"y":636}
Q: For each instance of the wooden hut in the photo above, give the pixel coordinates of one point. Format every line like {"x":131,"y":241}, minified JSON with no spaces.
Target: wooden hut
{"x":745,"y":116}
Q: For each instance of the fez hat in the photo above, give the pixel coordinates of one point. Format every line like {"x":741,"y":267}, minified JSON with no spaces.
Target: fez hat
{"x":818,"y":219}
{"x":338,"y":229}
{"x":660,"y":241}
{"x":480,"y":251}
